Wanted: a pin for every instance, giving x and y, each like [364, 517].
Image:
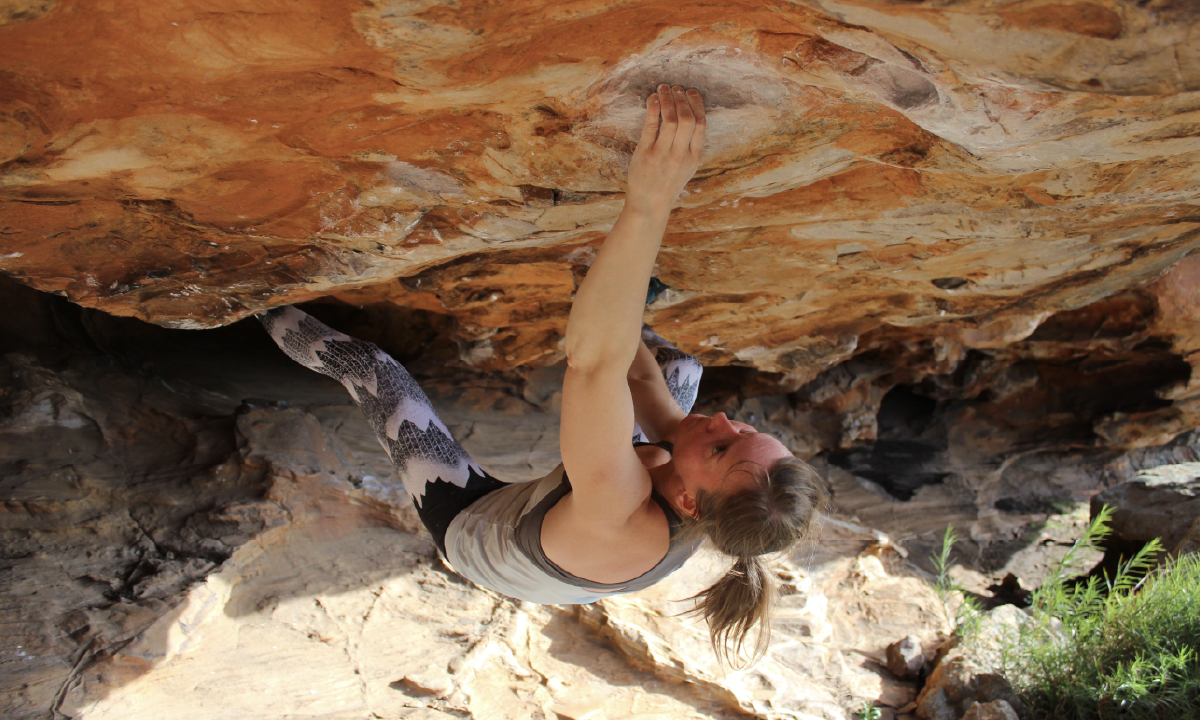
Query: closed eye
[718, 449]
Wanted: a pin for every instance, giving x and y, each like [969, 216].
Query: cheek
[685, 463]
[695, 469]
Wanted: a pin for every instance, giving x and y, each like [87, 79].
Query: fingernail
[693, 92]
[664, 87]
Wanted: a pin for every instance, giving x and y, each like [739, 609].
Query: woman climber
[615, 516]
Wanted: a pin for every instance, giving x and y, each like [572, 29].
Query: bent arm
[654, 408]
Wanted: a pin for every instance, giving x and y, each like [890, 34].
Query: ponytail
[734, 605]
[771, 518]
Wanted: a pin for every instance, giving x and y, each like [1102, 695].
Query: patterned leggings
[438, 474]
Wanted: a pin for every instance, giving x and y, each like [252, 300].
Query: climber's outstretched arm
[606, 317]
[604, 329]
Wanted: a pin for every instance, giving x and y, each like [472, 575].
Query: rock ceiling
[946, 172]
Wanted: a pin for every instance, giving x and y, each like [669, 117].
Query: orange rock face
[922, 171]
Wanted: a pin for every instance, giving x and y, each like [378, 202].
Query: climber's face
[715, 454]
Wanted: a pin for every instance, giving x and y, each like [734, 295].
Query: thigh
[438, 474]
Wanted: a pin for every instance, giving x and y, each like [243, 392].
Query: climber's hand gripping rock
[668, 152]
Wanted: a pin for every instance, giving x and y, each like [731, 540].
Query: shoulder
[605, 552]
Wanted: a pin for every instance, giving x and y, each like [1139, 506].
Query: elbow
[582, 360]
[596, 359]
[585, 351]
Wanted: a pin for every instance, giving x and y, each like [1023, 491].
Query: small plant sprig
[966, 618]
[868, 711]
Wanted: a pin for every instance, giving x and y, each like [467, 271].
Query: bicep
[608, 480]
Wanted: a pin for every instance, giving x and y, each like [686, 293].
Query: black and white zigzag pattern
[401, 415]
[682, 372]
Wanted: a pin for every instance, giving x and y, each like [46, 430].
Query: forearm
[644, 366]
[654, 409]
[606, 317]
[602, 332]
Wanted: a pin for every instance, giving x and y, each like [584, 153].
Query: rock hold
[905, 658]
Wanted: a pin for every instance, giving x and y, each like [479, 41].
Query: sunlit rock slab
[346, 612]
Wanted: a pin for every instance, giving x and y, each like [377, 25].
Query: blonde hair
[770, 518]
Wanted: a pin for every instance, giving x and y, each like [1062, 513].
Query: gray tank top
[496, 543]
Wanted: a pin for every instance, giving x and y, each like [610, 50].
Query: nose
[720, 423]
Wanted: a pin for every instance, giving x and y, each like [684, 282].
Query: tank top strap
[664, 444]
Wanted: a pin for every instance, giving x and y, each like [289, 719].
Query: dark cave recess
[909, 451]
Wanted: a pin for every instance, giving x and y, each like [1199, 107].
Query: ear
[685, 502]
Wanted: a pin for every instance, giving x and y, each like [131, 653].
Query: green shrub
[1122, 647]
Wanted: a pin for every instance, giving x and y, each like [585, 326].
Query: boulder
[994, 710]
[1161, 502]
[967, 675]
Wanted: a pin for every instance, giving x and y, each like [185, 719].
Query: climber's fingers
[670, 118]
[686, 123]
[650, 128]
[696, 101]
[669, 149]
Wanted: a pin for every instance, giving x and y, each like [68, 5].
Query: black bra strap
[664, 444]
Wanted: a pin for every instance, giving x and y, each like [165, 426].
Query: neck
[665, 481]
[671, 431]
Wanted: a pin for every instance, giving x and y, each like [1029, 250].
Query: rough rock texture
[939, 247]
[925, 173]
[942, 227]
[962, 679]
[255, 558]
[1163, 502]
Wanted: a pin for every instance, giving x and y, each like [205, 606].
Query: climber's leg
[680, 370]
[439, 475]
